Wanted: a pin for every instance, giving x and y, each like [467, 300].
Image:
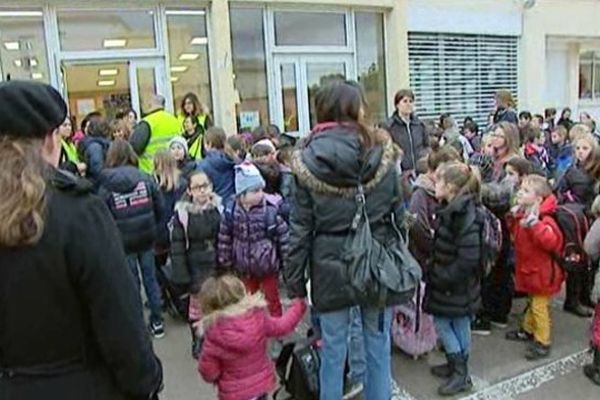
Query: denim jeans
[455, 333]
[148, 269]
[356, 348]
[335, 327]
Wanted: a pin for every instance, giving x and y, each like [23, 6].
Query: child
[217, 165]
[193, 239]
[236, 329]
[452, 290]
[471, 132]
[560, 152]
[536, 238]
[136, 205]
[253, 238]
[179, 150]
[93, 148]
[236, 148]
[120, 130]
[592, 248]
[264, 157]
[534, 151]
[286, 186]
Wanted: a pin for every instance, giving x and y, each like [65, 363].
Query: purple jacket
[248, 245]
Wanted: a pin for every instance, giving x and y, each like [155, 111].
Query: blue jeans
[335, 328]
[148, 269]
[455, 334]
[356, 348]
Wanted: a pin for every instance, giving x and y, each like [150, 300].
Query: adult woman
[340, 154]
[505, 141]
[191, 107]
[71, 318]
[505, 108]
[565, 119]
[69, 159]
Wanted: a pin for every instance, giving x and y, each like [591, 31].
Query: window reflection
[310, 29]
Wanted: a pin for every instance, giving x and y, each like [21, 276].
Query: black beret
[30, 109]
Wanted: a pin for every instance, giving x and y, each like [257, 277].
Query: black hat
[30, 109]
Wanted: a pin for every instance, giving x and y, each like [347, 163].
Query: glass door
[147, 79]
[297, 80]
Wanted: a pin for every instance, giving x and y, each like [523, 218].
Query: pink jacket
[234, 353]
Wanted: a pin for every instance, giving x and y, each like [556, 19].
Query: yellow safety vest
[70, 150]
[201, 118]
[163, 128]
[195, 150]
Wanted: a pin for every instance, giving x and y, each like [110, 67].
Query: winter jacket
[453, 279]
[271, 173]
[591, 244]
[194, 237]
[220, 170]
[136, 205]
[412, 139]
[71, 316]
[506, 115]
[538, 158]
[577, 186]
[536, 271]
[246, 242]
[186, 167]
[423, 206]
[92, 152]
[234, 353]
[328, 168]
[170, 198]
[561, 158]
[287, 183]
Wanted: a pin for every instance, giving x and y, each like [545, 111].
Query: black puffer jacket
[193, 246]
[328, 168]
[453, 280]
[71, 318]
[136, 205]
[412, 139]
[506, 115]
[577, 186]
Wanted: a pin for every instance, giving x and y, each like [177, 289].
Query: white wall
[557, 77]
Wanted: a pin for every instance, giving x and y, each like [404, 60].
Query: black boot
[444, 370]
[574, 289]
[592, 370]
[587, 282]
[459, 381]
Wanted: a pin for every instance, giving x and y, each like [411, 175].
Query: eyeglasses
[198, 188]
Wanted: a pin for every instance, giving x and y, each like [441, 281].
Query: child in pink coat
[236, 327]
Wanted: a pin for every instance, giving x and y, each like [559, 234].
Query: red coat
[536, 272]
[234, 353]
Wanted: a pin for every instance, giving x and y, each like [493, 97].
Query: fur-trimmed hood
[186, 204]
[332, 162]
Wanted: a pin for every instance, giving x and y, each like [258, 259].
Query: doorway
[297, 80]
[112, 86]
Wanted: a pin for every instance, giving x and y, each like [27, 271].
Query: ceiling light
[199, 41]
[108, 72]
[33, 62]
[189, 56]
[174, 78]
[179, 68]
[21, 14]
[37, 75]
[18, 63]
[186, 12]
[12, 45]
[106, 83]
[110, 43]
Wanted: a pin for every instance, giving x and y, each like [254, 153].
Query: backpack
[574, 225]
[490, 237]
[298, 367]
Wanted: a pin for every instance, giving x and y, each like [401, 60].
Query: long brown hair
[344, 102]
[461, 176]
[22, 191]
[120, 153]
[165, 170]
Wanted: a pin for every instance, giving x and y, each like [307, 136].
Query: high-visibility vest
[163, 128]
[195, 150]
[200, 118]
[70, 150]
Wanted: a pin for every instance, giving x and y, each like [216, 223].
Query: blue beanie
[247, 178]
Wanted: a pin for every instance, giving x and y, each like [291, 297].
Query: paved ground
[498, 367]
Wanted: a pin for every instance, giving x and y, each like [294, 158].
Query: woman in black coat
[72, 325]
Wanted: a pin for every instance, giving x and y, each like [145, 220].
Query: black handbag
[380, 273]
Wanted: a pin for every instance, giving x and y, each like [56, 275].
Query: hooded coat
[328, 168]
[93, 151]
[536, 271]
[423, 206]
[234, 353]
[220, 169]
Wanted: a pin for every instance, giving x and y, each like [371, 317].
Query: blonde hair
[577, 131]
[22, 192]
[220, 292]
[461, 176]
[538, 184]
[511, 136]
[505, 98]
[165, 170]
[592, 164]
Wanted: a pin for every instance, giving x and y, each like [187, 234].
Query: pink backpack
[413, 331]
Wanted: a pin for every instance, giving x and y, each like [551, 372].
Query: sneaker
[500, 323]
[157, 330]
[352, 390]
[537, 351]
[519, 336]
[481, 326]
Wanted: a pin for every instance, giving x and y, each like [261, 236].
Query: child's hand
[516, 210]
[530, 219]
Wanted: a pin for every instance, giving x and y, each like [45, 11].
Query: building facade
[260, 62]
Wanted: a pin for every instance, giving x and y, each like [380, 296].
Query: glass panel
[23, 47]
[289, 93]
[318, 75]
[371, 62]
[249, 62]
[106, 30]
[597, 80]
[97, 87]
[146, 82]
[188, 49]
[585, 80]
[310, 29]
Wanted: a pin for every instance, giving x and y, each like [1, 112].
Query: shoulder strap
[183, 216]
[361, 202]
[271, 213]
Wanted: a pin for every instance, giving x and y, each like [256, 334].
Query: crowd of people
[213, 225]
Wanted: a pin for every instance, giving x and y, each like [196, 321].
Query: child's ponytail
[463, 177]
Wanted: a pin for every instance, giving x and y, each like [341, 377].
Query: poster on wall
[85, 106]
[249, 119]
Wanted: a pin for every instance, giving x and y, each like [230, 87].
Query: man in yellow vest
[154, 133]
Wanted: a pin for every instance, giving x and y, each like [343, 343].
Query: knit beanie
[247, 178]
[180, 141]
